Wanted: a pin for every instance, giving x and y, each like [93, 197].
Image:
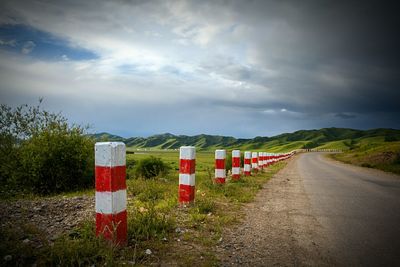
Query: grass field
[373, 152]
[175, 235]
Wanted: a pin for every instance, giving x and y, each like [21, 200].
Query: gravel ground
[52, 216]
[279, 228]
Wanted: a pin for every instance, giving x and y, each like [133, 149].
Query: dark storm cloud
[345, 116]
[285, 64]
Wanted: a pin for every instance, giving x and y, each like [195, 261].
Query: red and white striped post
[247, 163]
[220, 172]
[187, 169]
[271, 158]
[235, 164]
[265, 160]
[110, 172]
[260, 161]
[254, 162]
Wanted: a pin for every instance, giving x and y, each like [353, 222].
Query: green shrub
[55, 160]
[311, 145]
[151, 167]
[42, 153]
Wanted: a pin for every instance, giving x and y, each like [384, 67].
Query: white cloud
[11, 43]
[28, 47]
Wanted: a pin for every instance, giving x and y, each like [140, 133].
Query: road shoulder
[278, 228]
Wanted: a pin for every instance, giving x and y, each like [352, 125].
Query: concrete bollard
[235, 164]
[254, 162]
[110, 173]
[264, 159]
[247, 163]
[270, 159]
[260, 161]
[220, 172]
[187, 169]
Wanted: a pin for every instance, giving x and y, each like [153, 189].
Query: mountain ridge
[339, 138]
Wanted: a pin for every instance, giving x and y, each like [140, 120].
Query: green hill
[99, 137]
[377, 148]
[338, 138]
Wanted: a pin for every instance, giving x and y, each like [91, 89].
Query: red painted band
[112, 227]
[235, 176]
[219, 180]
[220, 163]
[235, 162]
[247, 161]
[187, 166]
[254, 160]
[186, 193]
[110, 179]
[246, 173]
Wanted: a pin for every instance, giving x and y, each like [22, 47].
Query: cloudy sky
[240, 68]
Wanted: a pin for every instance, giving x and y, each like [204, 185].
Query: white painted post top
[254, 155]
[220, 154]
[236, 153]
[187, 152]
[110, 154]
[247, 154]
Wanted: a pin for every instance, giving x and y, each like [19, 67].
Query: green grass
[154, 216]
[373, 152]
[341, 145]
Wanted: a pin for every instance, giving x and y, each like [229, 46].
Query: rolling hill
[376, 148]
[338, 138]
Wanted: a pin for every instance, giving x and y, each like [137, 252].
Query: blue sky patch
[39, 44]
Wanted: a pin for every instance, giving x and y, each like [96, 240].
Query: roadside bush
[42, 153]
[311, 145]
[55, 160]
[151, 167]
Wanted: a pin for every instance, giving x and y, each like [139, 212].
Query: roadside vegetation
[41, 153]
[375, 152]
[45, 156]
[158, 228]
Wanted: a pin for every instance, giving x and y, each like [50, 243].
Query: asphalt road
[319, 212]
[358, 210]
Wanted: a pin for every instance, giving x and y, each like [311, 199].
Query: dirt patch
[52, 216]
[382, 158]
[279, 228]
